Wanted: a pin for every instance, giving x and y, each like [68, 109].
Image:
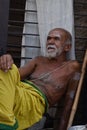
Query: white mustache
[51, 46]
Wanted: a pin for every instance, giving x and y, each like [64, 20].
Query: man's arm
[6, 62]
[27, 69]
[69, 98]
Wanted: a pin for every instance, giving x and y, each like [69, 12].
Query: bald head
[64, 33]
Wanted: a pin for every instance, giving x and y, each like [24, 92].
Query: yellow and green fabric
[21, 103]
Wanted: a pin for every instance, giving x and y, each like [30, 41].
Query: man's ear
[67, 47]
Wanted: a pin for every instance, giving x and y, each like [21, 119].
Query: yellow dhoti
[19, 102]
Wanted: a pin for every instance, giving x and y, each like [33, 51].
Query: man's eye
[56, 38]
[48, 38]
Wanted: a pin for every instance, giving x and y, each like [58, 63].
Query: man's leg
[8, 81]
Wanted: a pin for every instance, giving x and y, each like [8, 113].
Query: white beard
[56, 52]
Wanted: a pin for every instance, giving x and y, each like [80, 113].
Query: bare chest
[51, 75]
[52, 80]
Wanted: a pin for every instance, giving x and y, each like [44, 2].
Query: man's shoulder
[75, 65]
[39, 58]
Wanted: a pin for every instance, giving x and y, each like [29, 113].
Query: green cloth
[39, 92]
[7, 127]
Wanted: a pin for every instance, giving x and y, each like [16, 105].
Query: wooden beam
[75, 104]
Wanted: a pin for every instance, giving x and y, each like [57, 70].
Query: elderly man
[24, 102]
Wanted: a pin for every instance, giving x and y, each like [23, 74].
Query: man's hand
[6, 62]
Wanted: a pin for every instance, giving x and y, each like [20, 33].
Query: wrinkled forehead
[59, 33]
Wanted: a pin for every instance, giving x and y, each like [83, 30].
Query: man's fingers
[6, 62]
[3, 62]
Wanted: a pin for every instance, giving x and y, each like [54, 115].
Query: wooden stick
[74, 107]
